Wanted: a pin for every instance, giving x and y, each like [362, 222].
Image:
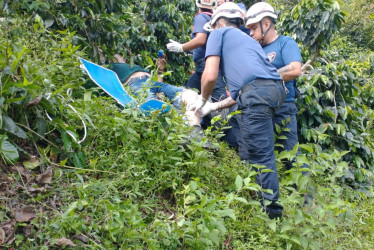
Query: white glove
[174, 46]
[198, 104]
[208, 108]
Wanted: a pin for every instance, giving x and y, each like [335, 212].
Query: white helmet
[259, 11]
[206, 4]
[229, 10]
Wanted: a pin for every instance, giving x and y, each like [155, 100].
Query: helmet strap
[262, 31]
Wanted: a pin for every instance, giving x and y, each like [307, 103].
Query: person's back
[242, 58]
[256, 87]
[284, 53]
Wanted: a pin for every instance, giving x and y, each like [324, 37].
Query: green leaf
[306, 147]
[287, 226]
[31, 164]
[331, 222]
[227, 213]
[47, 105]
[273, 225]
[238, 183]
[10, 126]
[8, 150]
[70, 209]
[229, 198]
[67, 140]
[241, 199]
[329, 95]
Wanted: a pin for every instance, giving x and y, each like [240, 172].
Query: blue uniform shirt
[242, 58]
[280, 53]
[200, 20]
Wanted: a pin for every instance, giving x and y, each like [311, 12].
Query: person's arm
[161, 65]
[210, 75]
[198, 41]
[290, 71]
[209, 107]
[200, 37]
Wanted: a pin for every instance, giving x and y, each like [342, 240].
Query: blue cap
[241, 5]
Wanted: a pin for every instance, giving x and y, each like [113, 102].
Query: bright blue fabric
[242, 58]
[200, 20]
[280, 53]
[108, 80]
[152, 88]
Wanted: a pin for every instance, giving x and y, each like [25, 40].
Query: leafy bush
[136, 30]
[314, 22]
[359, 24]
[34, 79]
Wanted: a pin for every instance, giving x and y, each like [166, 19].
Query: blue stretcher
[108, 80]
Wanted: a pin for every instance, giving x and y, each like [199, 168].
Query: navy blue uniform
[256, 87]
[194, 82]
[280, 53]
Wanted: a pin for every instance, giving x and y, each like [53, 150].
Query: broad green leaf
[227, 213]
[10, 126]
[70, 209]
[238, 183]
[241, 199]
[306, 147]
[273, 225]
[8, 150]
[66, 140]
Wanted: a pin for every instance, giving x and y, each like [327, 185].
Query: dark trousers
[288, 111]
[258, 104]
[194, 82]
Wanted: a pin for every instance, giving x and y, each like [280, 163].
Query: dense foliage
[134, 29]
[336, 108]
[130, 184]
[359, 22]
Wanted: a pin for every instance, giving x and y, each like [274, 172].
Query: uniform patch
[271, 56]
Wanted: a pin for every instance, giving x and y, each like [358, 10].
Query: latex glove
[174, 46]
[208, 108]
[198, 104]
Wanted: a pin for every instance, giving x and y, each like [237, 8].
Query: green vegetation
[130, 184]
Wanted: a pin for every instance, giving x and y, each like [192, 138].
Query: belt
[248, 86]
[133, 79]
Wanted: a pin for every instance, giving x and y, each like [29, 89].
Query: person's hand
[161, 64]
[198, 104]
[208, 108]
[119, 58]
[174, 46]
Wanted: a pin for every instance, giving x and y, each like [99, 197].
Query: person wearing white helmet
[256, 87]
[198, 44]
[284, 53]
[220, 2]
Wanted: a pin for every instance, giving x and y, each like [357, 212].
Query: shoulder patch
[271, 56]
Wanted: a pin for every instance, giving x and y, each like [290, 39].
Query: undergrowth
[132, 183]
